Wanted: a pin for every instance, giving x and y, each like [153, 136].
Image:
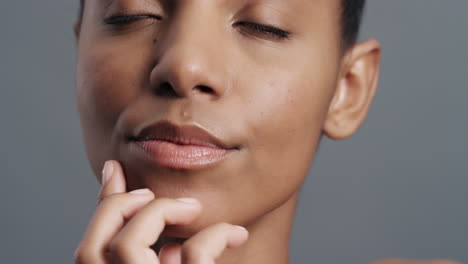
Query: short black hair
[351, 16]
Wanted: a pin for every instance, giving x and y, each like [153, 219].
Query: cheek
[286, 121]
[109, 76]
[107, 81]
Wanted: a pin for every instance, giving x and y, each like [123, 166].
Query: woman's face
[264, 91]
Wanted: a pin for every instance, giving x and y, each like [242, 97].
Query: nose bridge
[188, 58]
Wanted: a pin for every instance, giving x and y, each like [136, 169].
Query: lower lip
[170, 155]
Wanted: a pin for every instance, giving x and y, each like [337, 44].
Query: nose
[189, 62]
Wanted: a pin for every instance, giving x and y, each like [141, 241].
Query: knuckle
[115, 200]
[105, 197]
[118, 247]
[82, 255]
[112, 199]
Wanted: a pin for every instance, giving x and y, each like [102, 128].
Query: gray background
[398, 188]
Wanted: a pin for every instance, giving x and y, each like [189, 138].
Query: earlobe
[355, 90]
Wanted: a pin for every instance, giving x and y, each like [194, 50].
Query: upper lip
[165, 130]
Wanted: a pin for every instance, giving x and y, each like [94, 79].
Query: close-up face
[257, 75]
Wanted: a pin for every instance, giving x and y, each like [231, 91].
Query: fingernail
[241, 227]
[140, 191]
[107, 172]
[188, 200]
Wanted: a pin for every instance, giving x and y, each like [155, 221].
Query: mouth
[179, 147]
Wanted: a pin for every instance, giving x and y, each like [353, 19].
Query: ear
[356, 87]
[77, 29]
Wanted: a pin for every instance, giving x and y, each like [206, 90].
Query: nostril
[166, 90]
[204, 89]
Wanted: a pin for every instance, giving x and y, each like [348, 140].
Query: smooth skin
[201, 62]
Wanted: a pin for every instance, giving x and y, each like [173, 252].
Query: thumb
[112, 181]
[171, 253]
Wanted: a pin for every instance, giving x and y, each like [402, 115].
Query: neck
[268, 238]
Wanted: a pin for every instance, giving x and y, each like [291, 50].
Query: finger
[132, 244]
[113, 179]
[207, 245]
[171, 253]
[107, 221]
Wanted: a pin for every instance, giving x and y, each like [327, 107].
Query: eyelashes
[121, 21]
[263, 29]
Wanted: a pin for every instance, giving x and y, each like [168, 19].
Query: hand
[126, 225]
[408, 261]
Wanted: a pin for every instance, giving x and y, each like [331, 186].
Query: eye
[120, 20]
[265, 30]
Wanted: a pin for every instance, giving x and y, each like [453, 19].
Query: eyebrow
[108, 2]
[271, 3]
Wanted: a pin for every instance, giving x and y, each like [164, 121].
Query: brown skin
[273, 97]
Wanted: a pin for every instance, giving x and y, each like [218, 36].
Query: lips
[182, 147]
